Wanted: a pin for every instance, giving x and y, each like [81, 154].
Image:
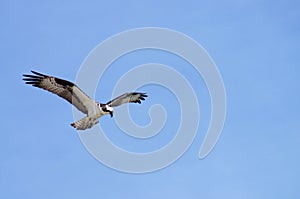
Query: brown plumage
[73, 94]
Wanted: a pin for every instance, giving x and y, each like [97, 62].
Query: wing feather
[132, 97]
[63, 88]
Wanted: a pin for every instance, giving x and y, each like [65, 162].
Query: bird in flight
[73, 94]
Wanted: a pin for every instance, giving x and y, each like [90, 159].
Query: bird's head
[107, 109]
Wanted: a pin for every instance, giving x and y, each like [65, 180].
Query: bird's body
[73, 94]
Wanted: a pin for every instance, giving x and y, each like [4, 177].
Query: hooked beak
[111, 114]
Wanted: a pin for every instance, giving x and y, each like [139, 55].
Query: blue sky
[255, 45]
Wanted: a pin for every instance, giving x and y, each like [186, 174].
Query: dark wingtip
[36, 77]
[30, 76]
[30, 82]
[31, 79]
[141, 97]
[144, 95]
[37, 73]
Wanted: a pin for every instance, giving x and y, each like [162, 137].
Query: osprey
[73, 94]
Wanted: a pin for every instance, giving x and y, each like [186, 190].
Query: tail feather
[85, 123]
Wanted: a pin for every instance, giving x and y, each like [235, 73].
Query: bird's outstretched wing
[63, 88]
[133, 97]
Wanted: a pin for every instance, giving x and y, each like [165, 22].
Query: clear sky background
[255, 45]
